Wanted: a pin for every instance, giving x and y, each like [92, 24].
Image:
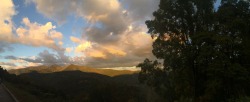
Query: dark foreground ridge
[77, 84]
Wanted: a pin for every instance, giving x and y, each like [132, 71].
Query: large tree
[206, 50]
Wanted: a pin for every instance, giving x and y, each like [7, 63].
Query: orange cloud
[56, 35]
[74, 39]
[90, 50]
[115, 51]
[95, 54]
[122, 39]
[83, 46]
[60, 43]
[7, 11]
[35, 34]
[69, 49]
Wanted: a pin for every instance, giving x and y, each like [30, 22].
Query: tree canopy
[206, 51]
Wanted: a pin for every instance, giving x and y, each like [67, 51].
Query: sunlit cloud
[115, 30]
[114, 35]
[83, 46]
[6, 24]
[96, 54]
[115, 51]
[69, 49]
[75, 39]
[35, 34]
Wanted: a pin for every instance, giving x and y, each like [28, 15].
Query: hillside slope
[77, 86]
[40, 69]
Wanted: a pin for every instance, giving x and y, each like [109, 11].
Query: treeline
[5, 76]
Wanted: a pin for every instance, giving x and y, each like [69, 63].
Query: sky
[94, 33]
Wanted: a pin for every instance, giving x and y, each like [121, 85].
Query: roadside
[4, 95]
[22, 96]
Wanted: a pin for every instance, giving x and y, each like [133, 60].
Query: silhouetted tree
[206, 51]
[3, 73]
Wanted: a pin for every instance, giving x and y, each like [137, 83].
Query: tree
[205, 50]
[3, 73]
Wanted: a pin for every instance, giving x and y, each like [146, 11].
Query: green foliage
[243, 99]
[205, 51]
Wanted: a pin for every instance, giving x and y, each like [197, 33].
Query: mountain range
[75, 83]
[57, 68]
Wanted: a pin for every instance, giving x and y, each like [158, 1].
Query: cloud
[133, 68]
[15, 63]
[35, 34]
[134, 46]
[103, 16]
[5, 47]
[75, 39]
[60, 43]
[32, 59]
[95, 49]
[56, 35]
[83, 46]
[96, 54]
[10, 57]
[115, 51]
[44, 57]
[140, 9]
[7, 64]
[116, 33]
[7, 11]
[6, 25]
[31, 34]
[48, 58]
[60, 9]
[69, 49]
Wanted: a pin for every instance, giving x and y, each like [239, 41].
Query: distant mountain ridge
[58, 68]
